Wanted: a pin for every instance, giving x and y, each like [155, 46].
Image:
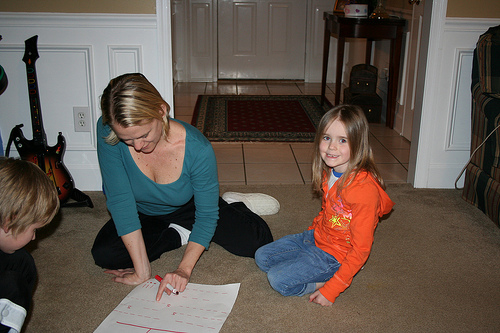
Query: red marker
[172, 289]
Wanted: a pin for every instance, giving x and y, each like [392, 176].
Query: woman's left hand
[317, 297]
[178, 279]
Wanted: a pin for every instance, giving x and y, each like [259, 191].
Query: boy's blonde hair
[27, 195]
[130, 100]
[361, 157]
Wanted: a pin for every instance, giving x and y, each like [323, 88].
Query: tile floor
[283, 163]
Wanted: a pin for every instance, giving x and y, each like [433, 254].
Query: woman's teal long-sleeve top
[128, 191]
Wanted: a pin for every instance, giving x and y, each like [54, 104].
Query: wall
[460, 8]
[77, 6]
[402, 5]
[473, 9]
[79, 54]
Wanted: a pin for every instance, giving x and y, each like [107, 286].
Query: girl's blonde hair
[361, 155]
[27, 196]
[130, 100]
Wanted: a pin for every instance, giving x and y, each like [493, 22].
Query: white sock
[183, 232]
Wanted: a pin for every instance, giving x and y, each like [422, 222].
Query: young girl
[324, 259]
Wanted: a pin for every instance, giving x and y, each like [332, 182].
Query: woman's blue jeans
[294, 264]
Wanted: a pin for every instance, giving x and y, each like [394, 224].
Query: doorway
[248, 39]
[261, 39]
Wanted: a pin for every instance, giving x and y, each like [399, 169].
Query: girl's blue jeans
[294, 264]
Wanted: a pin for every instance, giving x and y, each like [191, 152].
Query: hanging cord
[475, 150]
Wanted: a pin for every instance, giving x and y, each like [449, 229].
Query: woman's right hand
[128, 276]
[180, 277]
[177, 279]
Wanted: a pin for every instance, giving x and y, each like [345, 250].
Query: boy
[28, 201]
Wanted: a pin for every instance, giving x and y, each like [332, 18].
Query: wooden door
[409, 92]
[260, 39]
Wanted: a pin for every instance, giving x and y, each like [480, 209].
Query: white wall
[79, 54]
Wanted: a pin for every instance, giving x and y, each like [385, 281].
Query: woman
[160, 181]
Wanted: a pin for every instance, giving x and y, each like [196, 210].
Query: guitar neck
[36, 111]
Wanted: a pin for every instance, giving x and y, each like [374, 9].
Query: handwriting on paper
[200, 308]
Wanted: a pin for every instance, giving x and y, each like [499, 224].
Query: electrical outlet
[81, 119]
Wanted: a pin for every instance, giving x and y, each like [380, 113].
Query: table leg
[339, 69]
[368, 55]
[392, 92]
[326, 51]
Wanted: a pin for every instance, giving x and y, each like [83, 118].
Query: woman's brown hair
[129, 100]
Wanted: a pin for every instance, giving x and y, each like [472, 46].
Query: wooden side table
[342, 27]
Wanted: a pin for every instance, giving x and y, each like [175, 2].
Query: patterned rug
[238, 118]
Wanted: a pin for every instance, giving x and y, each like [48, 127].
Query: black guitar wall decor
[49, 159]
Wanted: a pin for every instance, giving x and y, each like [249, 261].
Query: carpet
[434, 267]
[238, 118]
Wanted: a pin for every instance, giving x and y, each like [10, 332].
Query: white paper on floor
[200, 308]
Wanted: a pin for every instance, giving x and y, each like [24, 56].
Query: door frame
[165, 73]
[407, 94]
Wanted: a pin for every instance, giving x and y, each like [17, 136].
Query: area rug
[238, 118]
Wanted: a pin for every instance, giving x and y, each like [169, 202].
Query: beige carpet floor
[435, 267]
